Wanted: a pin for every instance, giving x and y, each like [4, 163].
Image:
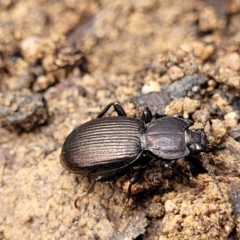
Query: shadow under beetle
[107, 148]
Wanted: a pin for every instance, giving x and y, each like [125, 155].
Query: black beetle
[106, 148]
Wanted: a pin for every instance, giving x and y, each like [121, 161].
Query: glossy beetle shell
[103, 144]
[165, 138]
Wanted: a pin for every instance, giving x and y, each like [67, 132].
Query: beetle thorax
[143, 142]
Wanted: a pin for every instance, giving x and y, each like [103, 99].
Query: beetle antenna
[213, 176]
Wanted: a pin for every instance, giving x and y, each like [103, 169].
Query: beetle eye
[198, 147]
[195, 148]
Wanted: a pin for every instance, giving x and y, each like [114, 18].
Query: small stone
[231, 119]
[229, 77]
[233, 61]
[218, 130]
[150, 86]
[42, 82]
[30, 47]
[201, 115]
[175, 73]
[202, 51]
[235, 132]
[101, 94]
[155, 210]
[189, 106]
[220, 101]
[154, 101]
[208, 20]
[175, 107]
[190, 68]
[212, 83]
[26, 110]
[169, 206]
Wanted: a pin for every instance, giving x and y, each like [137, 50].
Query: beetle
[107, 148]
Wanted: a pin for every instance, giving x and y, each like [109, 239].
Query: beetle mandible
[107, 148]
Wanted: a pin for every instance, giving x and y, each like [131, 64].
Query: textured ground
[61, 62]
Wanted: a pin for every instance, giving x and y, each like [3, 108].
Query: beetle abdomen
[101, 142]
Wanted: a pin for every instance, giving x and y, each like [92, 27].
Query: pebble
[233, 61]
[175, 73]
[150, 86]
[231, 119]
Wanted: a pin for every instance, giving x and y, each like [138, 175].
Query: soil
[62, 62]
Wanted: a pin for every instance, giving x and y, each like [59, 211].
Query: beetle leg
[100, 178]
[82, 196]
[137, 174]
[117, 107]
[171, 166]
[147, 115]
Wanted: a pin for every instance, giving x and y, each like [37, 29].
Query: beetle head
[196, 140]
